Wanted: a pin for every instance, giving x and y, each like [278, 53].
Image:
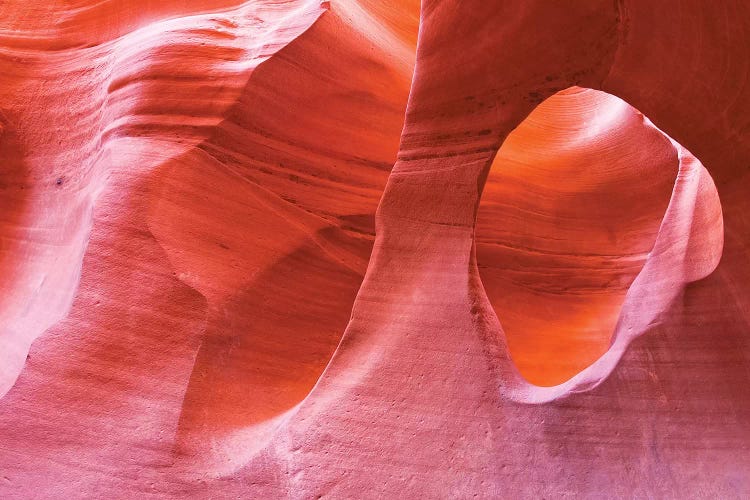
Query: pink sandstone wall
[218, 284]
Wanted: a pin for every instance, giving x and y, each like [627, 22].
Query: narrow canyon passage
[374, 249]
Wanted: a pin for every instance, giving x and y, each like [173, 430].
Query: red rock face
[217, 284]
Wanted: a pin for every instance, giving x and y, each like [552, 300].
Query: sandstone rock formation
[217, 284]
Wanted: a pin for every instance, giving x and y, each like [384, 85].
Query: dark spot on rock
[485, 132]
[59, 181]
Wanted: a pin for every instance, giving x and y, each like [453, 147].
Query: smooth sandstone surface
[218, 284]
[559, 241]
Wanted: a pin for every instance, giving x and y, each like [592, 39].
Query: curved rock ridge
[218, 284]
[123, 127]
[230, 224]
[560, 242]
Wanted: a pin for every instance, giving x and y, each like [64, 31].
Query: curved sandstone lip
[123, 123]
[688, 248]
[570, 213]
[229, 234]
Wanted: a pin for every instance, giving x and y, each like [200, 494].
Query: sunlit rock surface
[282, 249]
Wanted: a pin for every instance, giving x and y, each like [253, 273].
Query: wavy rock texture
[559, 241]
[217, 284]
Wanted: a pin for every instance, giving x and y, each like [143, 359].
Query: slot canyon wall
[374, 249]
